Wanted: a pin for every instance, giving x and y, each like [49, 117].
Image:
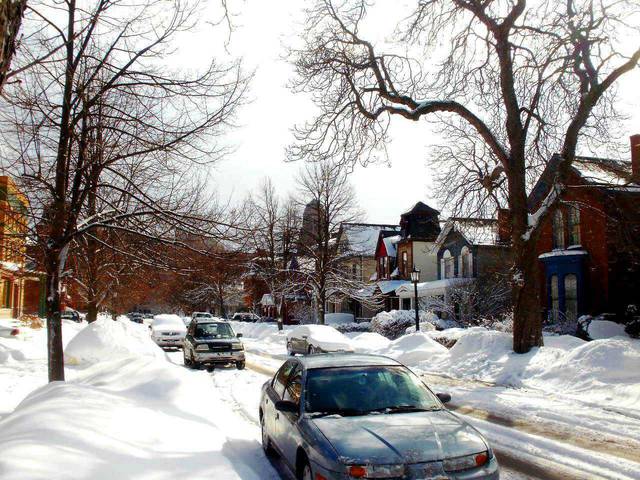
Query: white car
[8, 332]
[202, 316]
[316, 339]
[168, 330]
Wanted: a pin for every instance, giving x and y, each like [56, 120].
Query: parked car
[245, 317]
[316, 339]
[7, 331]
[267, 319]
[168, 330]
[70, 314]
[135, 317]
[344, 416]
[209, 343]
[201, 315]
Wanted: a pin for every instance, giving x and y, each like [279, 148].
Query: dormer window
[558, 230]
[405, 264]
[448, 264]
[574, 225]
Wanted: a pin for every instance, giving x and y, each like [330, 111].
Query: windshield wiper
[405, 409]
[343, 412]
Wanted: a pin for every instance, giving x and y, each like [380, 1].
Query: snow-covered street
[128, 410]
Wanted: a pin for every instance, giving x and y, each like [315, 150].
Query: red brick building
[589, 248]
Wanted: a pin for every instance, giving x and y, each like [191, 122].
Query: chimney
[504, 225]
[635, 158]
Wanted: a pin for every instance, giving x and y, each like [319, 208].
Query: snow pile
[368, 341]
[323, 336]
[353, 327]
[601, 371]
[600, 329]
[394, 323]
[107, 339]
[130, 418]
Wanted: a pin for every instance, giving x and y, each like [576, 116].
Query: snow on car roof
[330, 360]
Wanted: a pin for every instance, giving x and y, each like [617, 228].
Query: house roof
[421, 207]
[362, 238]
[387, 286]
[390, 244]
[598, 172]
[476, 231]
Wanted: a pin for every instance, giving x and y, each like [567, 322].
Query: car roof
[209, 320]
[329, 360]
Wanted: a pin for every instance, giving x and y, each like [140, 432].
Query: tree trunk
[11, 12]
[321, 304]
[527, 316]
[54, 323]
[92, 310]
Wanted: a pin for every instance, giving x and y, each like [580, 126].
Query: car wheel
[186, 361]
[266, 443]
[306, 473]
[240, 365]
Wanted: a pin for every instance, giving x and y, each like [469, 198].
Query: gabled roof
[421, 207]
[597, 172]
[362, 238]
[476, 231]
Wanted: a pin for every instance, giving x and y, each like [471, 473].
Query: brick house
[589, 248]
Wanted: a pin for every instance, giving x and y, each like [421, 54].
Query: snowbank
[600, 329]
[133, 418]
[106, 339]
[322, 336]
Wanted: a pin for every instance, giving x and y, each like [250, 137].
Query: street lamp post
[415, 277]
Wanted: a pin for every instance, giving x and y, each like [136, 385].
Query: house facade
[472, 262]
[589, 247]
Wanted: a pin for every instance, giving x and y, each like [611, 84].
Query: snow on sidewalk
[129, 415]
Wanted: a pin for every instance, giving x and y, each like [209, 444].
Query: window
[7, 290]
[574, 225]
[354, 271]
[558, 230]
[555, 298]
[449, 264]
[571, 297]
[466, 263]
[282, 377]
[385, 271]
[406, 304]
[294, 387]
[405, 264]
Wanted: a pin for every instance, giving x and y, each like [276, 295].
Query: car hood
[400, 438]
[216, 341]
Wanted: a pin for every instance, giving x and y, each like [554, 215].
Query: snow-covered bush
[633, 328]
[353, 327]
[599, 327]
[394, 324]
[501, 324]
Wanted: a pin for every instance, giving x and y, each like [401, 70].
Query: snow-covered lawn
[130, 414]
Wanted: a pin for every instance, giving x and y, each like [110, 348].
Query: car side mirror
[238, 335]
[444, 397]
[286, 406]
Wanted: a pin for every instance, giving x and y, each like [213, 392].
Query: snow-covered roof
[267, 300]
[387, 286]
[605, 172]
[477, 231]
[433, 288]
[390, 245]
[362, 238]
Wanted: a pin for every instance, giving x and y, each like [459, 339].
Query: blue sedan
[346, 416]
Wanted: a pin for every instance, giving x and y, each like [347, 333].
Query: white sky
[384, 192]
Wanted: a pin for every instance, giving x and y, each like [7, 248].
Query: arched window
[571, 297]
[555, 298]
[574, 225]
[405, 264]
[466, 263]
[449, 264]
[558, 230]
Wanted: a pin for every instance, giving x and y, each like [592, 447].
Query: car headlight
[202, 348]
[376, 471]
[464, 463]
[237, 347]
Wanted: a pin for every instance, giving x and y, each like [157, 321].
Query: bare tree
[528, 78]
[329, 201]
[155, 127]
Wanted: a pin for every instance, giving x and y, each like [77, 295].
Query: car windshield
[364, 390]
[213, 330]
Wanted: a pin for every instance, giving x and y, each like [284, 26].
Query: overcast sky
[384, 192]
